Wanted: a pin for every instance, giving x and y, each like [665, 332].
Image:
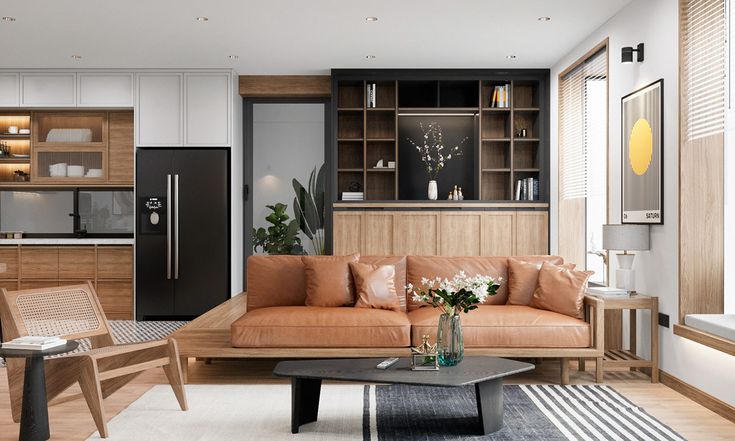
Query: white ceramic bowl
[94, 173]
[76, 171]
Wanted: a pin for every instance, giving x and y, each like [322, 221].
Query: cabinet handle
[176, 226]
[168, 227]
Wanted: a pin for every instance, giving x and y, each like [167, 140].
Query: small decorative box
[424, 357]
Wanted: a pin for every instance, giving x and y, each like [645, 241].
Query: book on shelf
[607, 291]
[527, 189]
[500, 97]
[353, 196]
[34, 343]
[371, 98]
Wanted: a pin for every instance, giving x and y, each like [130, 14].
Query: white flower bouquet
[432, 149]
[461, 293]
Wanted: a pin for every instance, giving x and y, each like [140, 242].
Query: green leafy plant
[281, 237]
[308, 207]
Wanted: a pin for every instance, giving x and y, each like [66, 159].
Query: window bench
[714, 330]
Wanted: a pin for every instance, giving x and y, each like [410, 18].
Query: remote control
[385, 364]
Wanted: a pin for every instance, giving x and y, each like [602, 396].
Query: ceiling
[295, 36]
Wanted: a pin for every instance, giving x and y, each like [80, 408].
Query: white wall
[655, 23]
[237, 264]
[288, 142]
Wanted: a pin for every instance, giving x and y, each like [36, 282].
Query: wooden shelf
[438, 109]
[496, 109]
[381, 170]
[526, 170]
[350, 109]
[349, 170]
[381, 139]
[349, 139]
[496, 170]
[526, 139]
[14, 136]
[381, 109]
[526, 109]
[15, 160]
[495, 139]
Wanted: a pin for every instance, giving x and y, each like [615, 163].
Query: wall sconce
[628, 53]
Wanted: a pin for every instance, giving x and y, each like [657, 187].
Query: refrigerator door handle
[168, 227]
[176, 226]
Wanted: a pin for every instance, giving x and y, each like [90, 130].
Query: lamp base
[625, 279]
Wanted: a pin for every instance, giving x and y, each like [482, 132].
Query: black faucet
[78, 232]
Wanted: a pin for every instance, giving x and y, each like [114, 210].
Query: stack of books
[607, 291]
[527, 189]
[501, 96]
[34, 343]
[353, 196]
[372, 100]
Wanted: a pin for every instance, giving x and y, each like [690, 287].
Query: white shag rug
[237, 412]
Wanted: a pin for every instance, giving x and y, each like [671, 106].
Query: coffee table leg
[490, 405]
[34, 414]
[304, 401]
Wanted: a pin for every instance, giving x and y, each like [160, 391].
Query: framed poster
[642, 162]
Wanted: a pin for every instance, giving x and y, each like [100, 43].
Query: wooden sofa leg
[599, 372]
[90, 384]
[174, 374]
[564, 364]
[582, 365]
[184, 363]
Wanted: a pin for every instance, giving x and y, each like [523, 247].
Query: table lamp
[626, 237]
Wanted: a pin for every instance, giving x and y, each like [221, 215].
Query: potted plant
[280, 237]
[433, 153]
[308, 207]
[460, 294]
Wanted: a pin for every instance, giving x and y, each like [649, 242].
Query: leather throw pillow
[375, 286]
[561, 290]
[329, 281]
[522, 280]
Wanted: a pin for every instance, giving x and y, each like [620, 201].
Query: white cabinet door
[207, 110]
[105, 89]
[9, 90]
[159, 115]
[48, 89]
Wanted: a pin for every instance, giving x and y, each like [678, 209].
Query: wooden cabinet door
[121, 149]
[461, 234]
[116, 298]
[8, 262]
[347, 232]
[115, 262]
[498, 233]
[37, 284]
[417, 233]
[378, 234]
[160, 110]
[532, 233]
[207, 109]
[102, 89]
[39, 262]
[9, 90]
[76, 263]
[48, 89]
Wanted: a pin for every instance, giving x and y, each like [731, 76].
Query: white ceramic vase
[433, 193]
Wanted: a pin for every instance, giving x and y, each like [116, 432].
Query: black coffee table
[486, 373]
[34, 413]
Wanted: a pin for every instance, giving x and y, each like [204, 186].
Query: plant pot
[450, 345]
[433, 192]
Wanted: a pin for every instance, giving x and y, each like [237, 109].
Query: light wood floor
[70, 420]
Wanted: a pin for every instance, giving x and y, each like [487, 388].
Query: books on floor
[353, 196]
[501, 96]
[527, 189]
[34, 343]
[607, 291]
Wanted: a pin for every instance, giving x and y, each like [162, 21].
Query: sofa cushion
[561, 290]
[447, 267]
[375, 286]
[400, 280]
[316, 327]
[522, 280]
[507, 326]
[275, 281]
[329, 280]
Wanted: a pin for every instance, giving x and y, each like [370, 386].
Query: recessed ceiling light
[202, 18]
[76, 57]
[544, 19]
[371, 18]
[370, 57]
[233, 57]
[8, 18]
[510, 57]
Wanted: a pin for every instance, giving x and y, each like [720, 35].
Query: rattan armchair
[74, 312]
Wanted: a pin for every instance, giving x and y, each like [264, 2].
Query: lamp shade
[626, 237]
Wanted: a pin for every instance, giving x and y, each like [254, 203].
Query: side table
[34, 413]
[629, 358]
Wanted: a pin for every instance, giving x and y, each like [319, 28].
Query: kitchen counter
[69, 241]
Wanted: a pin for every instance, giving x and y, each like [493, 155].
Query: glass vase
[432, 192]
[450, 346]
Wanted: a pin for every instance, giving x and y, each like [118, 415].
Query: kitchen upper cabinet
[159, 118]
[105, 89]
[207, 109]
[48, 89]
[9, 89]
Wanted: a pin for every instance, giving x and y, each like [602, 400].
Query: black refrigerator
[183, 232]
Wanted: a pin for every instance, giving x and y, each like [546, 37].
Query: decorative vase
[433, 192]
[450, 346]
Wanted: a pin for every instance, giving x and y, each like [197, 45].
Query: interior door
[202, 245]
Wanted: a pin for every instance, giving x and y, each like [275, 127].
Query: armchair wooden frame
[74, 312]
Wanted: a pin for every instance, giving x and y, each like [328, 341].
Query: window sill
[705, 338]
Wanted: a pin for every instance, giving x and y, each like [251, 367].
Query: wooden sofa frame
[208, 337]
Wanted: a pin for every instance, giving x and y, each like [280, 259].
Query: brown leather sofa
[277, 319]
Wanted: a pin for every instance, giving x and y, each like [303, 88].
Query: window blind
[703, 65]
[573, 155]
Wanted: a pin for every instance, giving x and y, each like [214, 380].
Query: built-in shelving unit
[501, 155]
[18, 146]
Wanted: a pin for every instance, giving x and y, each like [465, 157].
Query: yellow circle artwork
[640, 151]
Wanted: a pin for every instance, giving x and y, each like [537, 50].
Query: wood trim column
[285, 86]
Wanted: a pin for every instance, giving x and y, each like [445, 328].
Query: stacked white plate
[69, 135]
[58, 170]
[94, 173]
[75, 171]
